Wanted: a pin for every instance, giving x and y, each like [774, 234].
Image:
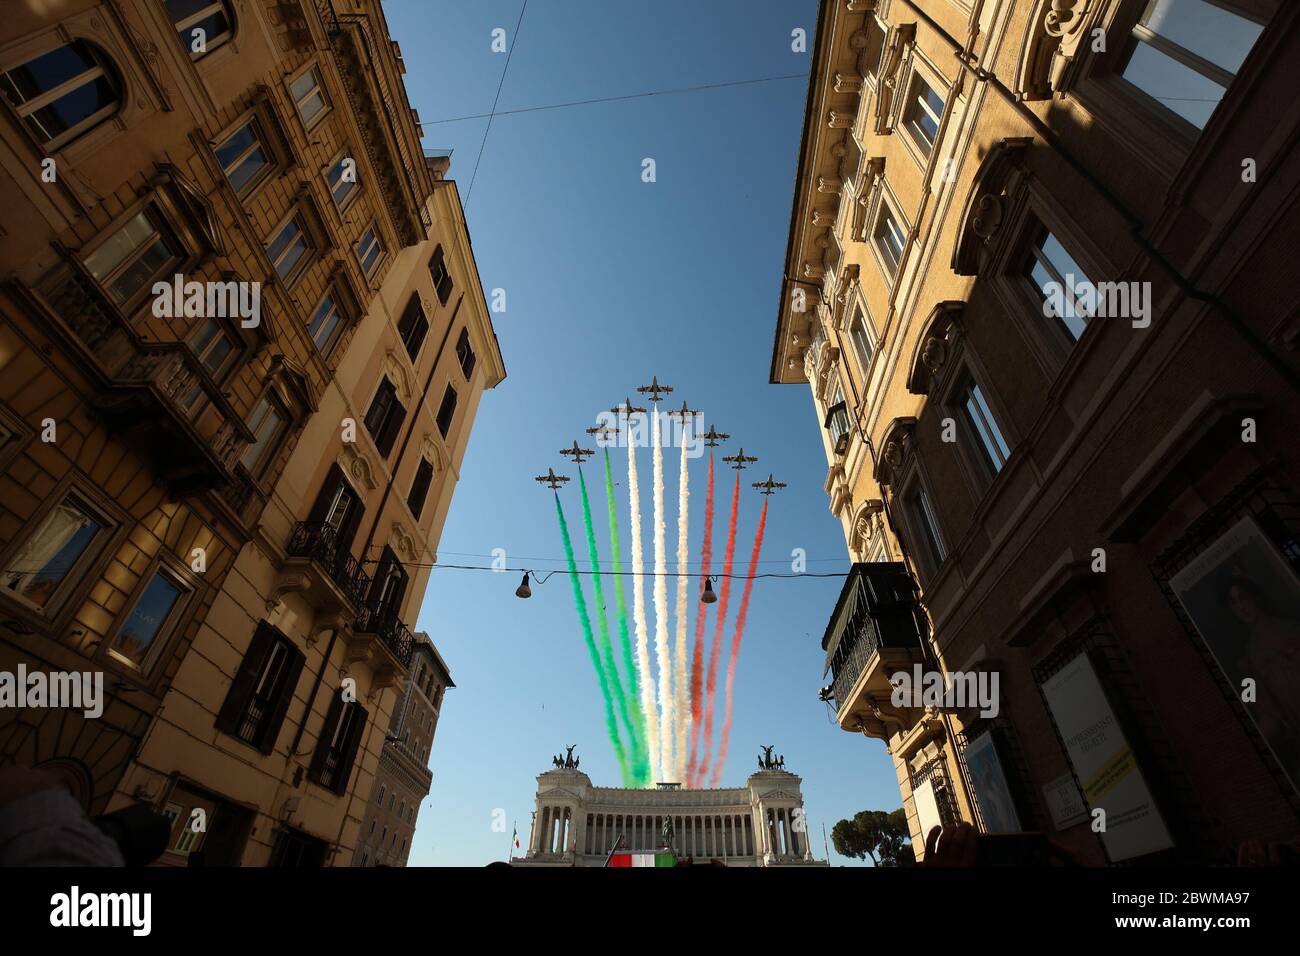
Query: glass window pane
[71, 108]
[321, 328]
[1210, 31]
[304, 84]
[145, 624]
[1178, 87]
[44, 559]
[142, 270]
[117, 247]
[47, 71]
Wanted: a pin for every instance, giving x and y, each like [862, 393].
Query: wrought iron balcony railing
[319, 542]
[395, 635]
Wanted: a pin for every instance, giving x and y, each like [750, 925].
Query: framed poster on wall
[997, 808]
[1244, 600]
[1104, 763]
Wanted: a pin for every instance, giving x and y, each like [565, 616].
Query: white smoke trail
[683, 705]
[638, 614]
[662, 648]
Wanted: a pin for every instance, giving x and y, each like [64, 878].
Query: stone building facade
[232, 518]
[1037, 281]
[759, 824]
[403, 779]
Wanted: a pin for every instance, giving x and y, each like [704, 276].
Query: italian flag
[662, 858]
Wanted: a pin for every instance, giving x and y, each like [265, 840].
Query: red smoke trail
[723, 594]
[735, 645]
[697, 660]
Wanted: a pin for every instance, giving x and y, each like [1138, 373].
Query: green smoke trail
[581, 603]
[633, 689]
[603, 646]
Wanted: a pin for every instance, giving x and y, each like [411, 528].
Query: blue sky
[609, 280]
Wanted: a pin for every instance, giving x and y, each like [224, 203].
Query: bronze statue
[568, 757]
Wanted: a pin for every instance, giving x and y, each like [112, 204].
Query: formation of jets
[741, 460]
[552, 479]
[655, 392]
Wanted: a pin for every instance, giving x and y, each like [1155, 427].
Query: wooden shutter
[396, 415]
[384, 397]
[420, 487]
[350, 747]
[444, 289]
[326, 735]
[326, 496]
[284, 694]
[447, 411]
[241, 688]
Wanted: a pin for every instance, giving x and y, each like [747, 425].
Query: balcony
[373, 629]
[877, 629]
[325, 573]
[157, 396]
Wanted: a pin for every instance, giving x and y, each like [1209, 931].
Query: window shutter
[326, 735]
[292, 670]
[379, 405]
[327, 490]
[420, 487]
[395, 418]
[415, 338]
[241, 688]
[350, 747]
[444, 289]
[447, 411]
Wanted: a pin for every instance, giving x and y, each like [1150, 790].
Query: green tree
[878, 834]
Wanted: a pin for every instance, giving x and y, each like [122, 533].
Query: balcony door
[337, 512]
[389, 588]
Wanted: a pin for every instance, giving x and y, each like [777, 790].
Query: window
[889, 239]
[385, 417]
[213, 346]
[447, 411]
[336, 750]
[324, 324]
[1184, 54]
[288, 248]
[263, 688]
[131, 259]
[391, 798]
[862, 344]
[924, 108]
[465, 354]
[420, 487]
[152, 619]
[837, 421]
[413, 326]
[267, 423]
[1060, 281]
[62, 93]
[926, 528]
[980, 419]
[60, 543]
[342, 178]
[388, 589]
[383, 788]
[369, 249]
[243, 158]
[201, 24]
[309, 97]
[442, 283]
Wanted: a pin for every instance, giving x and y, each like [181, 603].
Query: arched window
[202, 25]
[63, 92]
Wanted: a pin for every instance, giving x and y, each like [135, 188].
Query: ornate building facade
[1035, 280]
[231, 514]
[403, 779]
[759, 824]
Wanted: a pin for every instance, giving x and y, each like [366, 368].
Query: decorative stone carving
[1050, 47]
[988, 216]
[357, 467]
[850, 82]
[998, 185]
[937, 343]
[840, 119]
[827, 184]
